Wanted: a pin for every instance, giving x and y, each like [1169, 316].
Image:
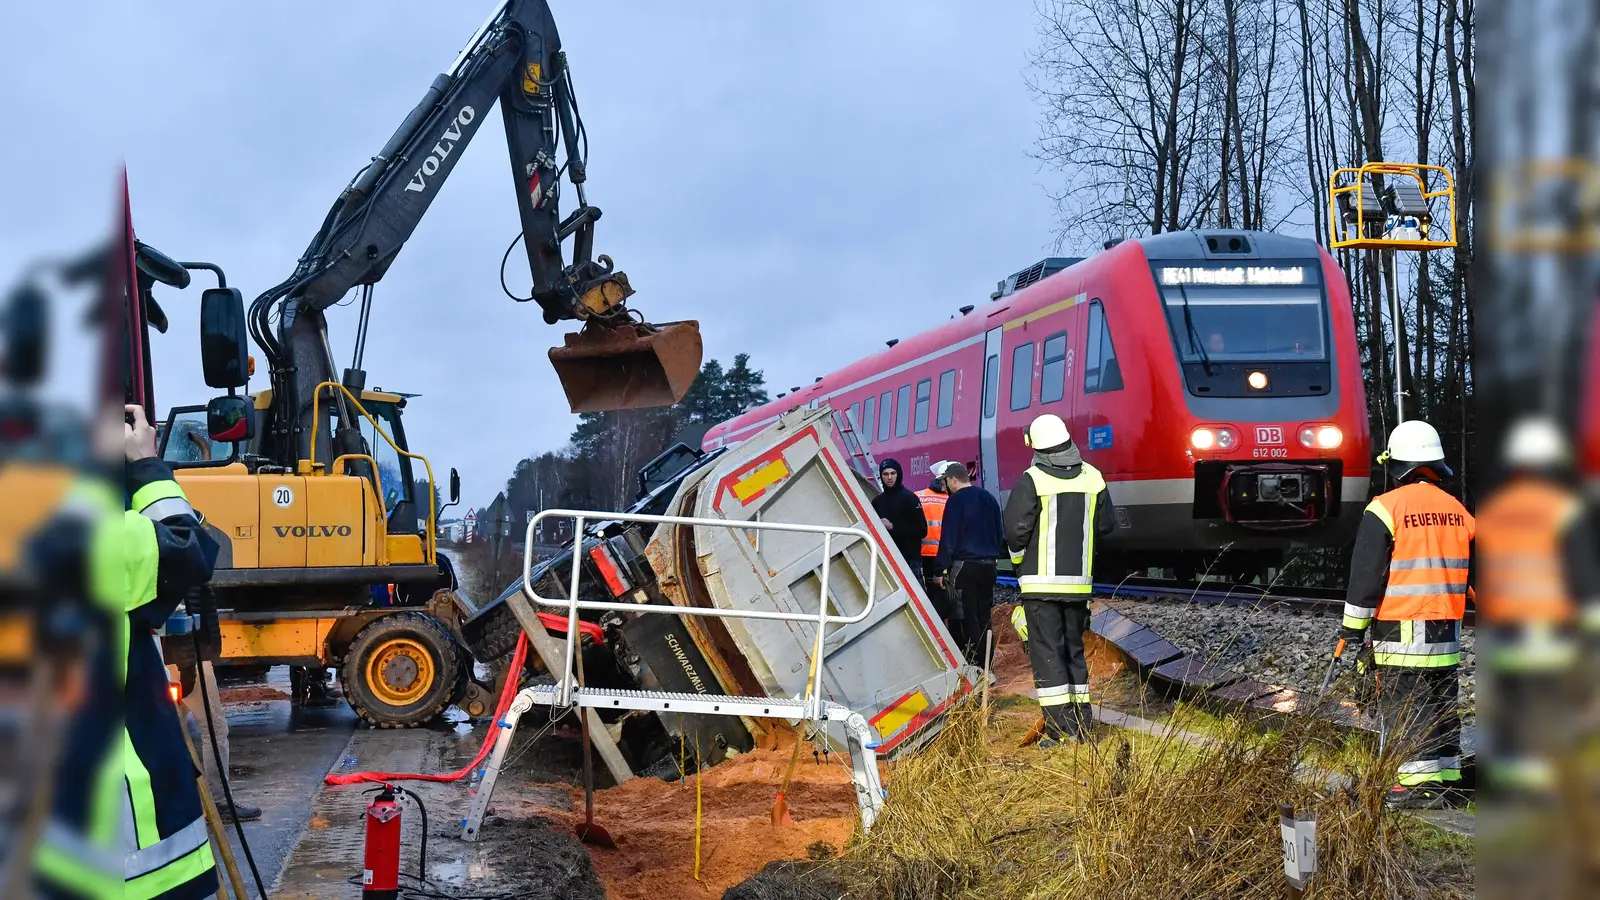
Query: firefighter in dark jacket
[901, 512]
[1409, 575]
[1056, 510]
[168, 553]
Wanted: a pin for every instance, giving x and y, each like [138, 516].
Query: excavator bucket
[627, 366]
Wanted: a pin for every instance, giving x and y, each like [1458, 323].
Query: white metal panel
[871, 666]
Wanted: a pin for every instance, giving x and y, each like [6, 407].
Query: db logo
[1269, 435]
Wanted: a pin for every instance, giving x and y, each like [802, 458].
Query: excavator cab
[628, 366]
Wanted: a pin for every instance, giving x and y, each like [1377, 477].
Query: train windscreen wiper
[1194, 335]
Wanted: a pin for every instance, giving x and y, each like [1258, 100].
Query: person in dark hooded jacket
[901, 512]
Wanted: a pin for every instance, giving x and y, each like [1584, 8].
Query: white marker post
[1299, 848]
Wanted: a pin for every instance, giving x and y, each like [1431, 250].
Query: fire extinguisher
[380, 871]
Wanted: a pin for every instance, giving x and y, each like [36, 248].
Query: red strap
[506, 693]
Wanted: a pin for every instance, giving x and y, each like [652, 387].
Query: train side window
[924, 400]
[1053, 376]
[991, 385]
[1022, 376]
[902, 415]
[855, 417]
[947, 397]
[871, 414]
[1100, 369]
[885, 414]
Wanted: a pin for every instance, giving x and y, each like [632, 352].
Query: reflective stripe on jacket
[1059, 556]
[933, 510]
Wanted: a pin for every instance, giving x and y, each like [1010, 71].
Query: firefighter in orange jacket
[933, 498]
[1538, 584]
[1408, 586]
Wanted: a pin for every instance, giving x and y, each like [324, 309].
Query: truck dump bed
[899, 667]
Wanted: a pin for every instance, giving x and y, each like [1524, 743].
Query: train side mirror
[223, 340]
[228, 419]
[455, 485]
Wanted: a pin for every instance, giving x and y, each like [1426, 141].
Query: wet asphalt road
[279, 756]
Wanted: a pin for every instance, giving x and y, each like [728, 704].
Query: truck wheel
[400, 670]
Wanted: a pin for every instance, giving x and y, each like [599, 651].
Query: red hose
[506, 693]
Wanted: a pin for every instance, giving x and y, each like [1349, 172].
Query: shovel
[1327, 677]
[627, 366]
[589, 832]
[780, 806]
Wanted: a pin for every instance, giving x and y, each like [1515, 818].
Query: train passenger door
[988, 451]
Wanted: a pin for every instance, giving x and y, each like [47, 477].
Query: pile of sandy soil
[653, 823]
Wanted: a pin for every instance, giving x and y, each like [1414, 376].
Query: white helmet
[942, 469]
[1414, 441]
[1047, 432]
[1536, 443]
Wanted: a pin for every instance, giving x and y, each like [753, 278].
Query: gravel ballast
[1269, 643]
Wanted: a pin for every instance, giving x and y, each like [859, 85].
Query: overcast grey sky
[806, 180]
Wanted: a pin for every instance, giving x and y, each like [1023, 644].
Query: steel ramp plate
[697, 704]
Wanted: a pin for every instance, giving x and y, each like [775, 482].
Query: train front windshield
[1254, 313]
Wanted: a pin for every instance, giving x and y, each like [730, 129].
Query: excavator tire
[401, 670]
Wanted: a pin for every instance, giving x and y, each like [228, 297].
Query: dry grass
[1132, 816]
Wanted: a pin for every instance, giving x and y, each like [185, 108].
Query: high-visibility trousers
[1419, 711]
[1060, 668]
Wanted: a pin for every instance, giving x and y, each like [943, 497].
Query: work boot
[242, 813]
[1419, 797]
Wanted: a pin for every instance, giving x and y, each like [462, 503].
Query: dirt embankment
[653, 823]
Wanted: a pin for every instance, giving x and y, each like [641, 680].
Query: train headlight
[1213, 437]
[1321, 437]
[1257, 381]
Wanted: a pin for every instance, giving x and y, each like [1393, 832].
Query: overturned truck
[897, 667]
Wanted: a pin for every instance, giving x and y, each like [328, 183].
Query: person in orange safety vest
[1409, 576]
[933, 499]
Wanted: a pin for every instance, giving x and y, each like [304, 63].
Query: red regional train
[1213, 376]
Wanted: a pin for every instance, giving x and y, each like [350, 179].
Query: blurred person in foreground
[80, 557]
[1409, 576]
[167, 853]
[1537, 592]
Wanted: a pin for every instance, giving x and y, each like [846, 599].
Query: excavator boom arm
[514, 59]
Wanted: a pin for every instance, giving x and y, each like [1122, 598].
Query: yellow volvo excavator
[308, 485]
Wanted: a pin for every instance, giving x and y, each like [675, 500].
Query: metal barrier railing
[572, 603]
